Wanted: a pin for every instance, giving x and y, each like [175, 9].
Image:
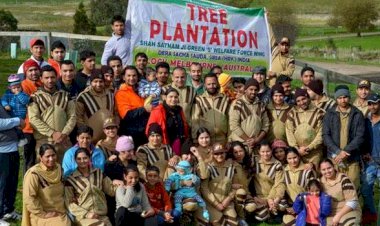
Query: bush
[82, 24]
[102, 11]
[7, 21]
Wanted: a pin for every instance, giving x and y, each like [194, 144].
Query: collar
[347, 112]
[245, 99]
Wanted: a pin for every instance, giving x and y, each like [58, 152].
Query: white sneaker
[12, 216]
[22, 142]
[4, 223]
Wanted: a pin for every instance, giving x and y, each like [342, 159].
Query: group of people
[133, 145]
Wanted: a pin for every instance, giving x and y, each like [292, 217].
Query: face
[311, 93]
[89, 63]
[110, 131]
[362, 92]
[204, 139]
[37, 51]
[49, 79]
[314, 190]
[284, 45]
[217, 71]
[58, 54]
[33, 74]
[265, 152]
[98, 85]
[179, 78]
[307, 77]
[293, 159]
[162, 75]
[327, 170]
[15, 88]
[132, 178]
[67, 72]
[219, 157]
[374, 108]
[82, 160]
[49, 159]
[108, 78]
[211, 85]
[118, 27]
[151, 76]
[278, 98]
[141, 63]
[130, 77]
[287, 88]
[196, 72]
[239, 87]
[251, 92]
[152, 177]
[279, 154]
[260, 78]
[238, 153]
[116, 67]
[343, 101]
[126, 155]
[302, 102]
[172, 99]
[180, 171]
[84, 140]
[155, 139]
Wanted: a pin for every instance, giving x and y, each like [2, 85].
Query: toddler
[149, 89]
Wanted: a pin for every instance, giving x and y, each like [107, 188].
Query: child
[149, 89]
[15, 101]
[159, 198]
[132, 204]
[185, 183]
[312, 207]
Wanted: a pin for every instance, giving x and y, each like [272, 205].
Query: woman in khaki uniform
[43, 200]
[345, 204]
[84, 192]
[219, 188]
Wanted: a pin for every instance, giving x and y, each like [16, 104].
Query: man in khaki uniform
[319, 99]
[52, 114]
[249, 122]
[304, 128]
[362, 91]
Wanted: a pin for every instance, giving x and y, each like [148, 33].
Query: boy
[87, 60]
[149, 88]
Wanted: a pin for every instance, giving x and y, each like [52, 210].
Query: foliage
[7, 21]
[102, 11]
[355, 16]
[82, 24]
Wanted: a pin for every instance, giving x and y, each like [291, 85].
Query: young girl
[312, 207]
[132, 203]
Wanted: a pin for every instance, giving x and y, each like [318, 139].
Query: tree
[7, 21]
[102, 11]
[82, 24]
[355, 16]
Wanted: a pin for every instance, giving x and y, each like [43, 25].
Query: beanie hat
[277, 88]
[251, 82]
[13, 80]
[28, 64]
[278, 143]
[223, 79]
[96, 74]
[124, 143]
[316, 86]
[184, 165]
[342, 90]
[105, 69]
[301, 93]
[154, 128]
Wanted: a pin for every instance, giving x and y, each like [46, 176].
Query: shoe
[12, 216]
[4, 223]
[22, 142]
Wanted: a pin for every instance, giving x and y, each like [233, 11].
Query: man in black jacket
[343, 134]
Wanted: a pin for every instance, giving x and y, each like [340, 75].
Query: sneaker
[22, 142]
[12, 216]
[4, 223]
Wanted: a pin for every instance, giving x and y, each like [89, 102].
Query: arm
[195, 118]
[36, 120]
[235, 121]
[325, 205]
[108, 187]
[318, 141]
[278, 188]
[71, 202]
[358, 140]
[80, 112]
[9, 123]
[290, 129]
[156, 89]
[290, 67]
[141, 88]
[23, 98]
[298, 204]
[145, 204]
[30, 195]
[5, 100]
[207, 194]
[71, 118]
[142, 161]
[167, 202]
[108, 51]
[125, 195]
[327, 127]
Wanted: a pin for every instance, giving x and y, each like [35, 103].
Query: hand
[303, 150]
[236, 186]
[260, 201]
[271, 74]
[22, 123]
[341, 156]
[153, 95]
[251, 142]
[290, 210]
[271, 204]
[51, 214]
[173, 161]
[220, 207]
[308, 166]
[118, 182]
[148, 108]
[367, 157]
[195, 152]
[186, 157]
[167, 216]
[335, 221]
[92, 215]
[149, 213]
[143, 95]
[112, 158]
[8, 108]
[57, 137]
[187, 183]
[226, 202]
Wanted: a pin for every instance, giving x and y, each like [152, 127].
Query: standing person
[133, 113]
[304, 128]
[282, 62]
[319, 99]
[9, 165]
[43, 192]
[195, 79]
[225, 82]
[37, 48]
[285, 81]
[211, 111]
[216, 70]
[118, 44]
[307, 75]
[343, 134]
[57, 55]
[87, 60]
[362, 91]
[162, 73]
[52, 114]
[117, 66]
[345, 206]
[264, 92]
[141, 62]
[248, 118]
[371, 159]
[107, 72]
[94, 105]
[66, 80]
[108, 144]
[238, 84]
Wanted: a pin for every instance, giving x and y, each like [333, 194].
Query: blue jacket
[300, 208]
[69, 164]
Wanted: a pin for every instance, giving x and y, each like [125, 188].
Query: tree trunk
[359, 34]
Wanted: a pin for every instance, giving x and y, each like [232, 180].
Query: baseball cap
[373, 98]
[36, 41]
[364, 84]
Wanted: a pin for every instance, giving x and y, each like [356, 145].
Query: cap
[316, 86]
[218, 148]
[13, 79]
[36, 41]
[124, 143]
[109, 122]
[96, 74]
[154, 128]
[260, 70]
[301, 93]
[373, 98]
[364, 84]
[251, 82]
[278, 143]
[342, 90]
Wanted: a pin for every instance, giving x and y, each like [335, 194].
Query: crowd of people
[133, 145]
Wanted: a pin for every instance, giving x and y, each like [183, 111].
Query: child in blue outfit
[312, 207]
[149, 88]
[15, 101]
[184, 183]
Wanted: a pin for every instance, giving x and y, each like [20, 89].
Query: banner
[180, 32]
